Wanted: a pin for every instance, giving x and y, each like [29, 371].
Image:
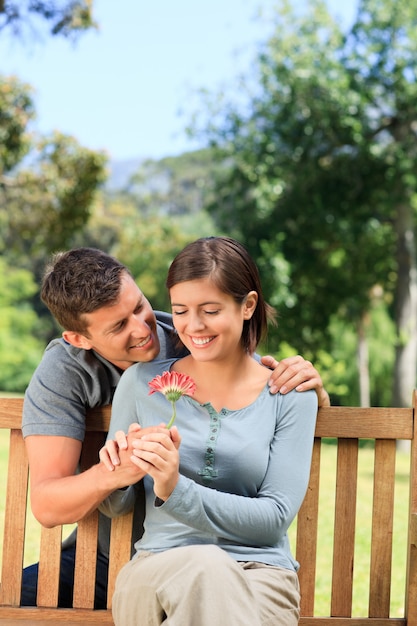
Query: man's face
[124, 333]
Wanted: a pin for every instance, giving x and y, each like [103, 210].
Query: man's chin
[144, 356]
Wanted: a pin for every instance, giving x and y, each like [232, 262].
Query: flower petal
[172, 383]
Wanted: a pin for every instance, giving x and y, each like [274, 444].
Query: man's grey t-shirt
[70, 380]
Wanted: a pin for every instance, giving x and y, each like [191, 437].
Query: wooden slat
[344, 527]
[382, 529]
[120, 549]
[365, 423]
[11, 412]
[413, 529]
[369, 423]
[380, 422]
[99, 418]
[11, 415]
[87, 533]
[85, 564]
[49, 566]
[306, 544]
[14, 521]
[27, 616]
[411, 582]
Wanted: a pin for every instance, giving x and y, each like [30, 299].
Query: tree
[66, 18]
[320, 171]
[16, 111]
[47, 184]
[20, 347]
[45, 205]
[47, 190]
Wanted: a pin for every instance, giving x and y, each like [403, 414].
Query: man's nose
[139, 325]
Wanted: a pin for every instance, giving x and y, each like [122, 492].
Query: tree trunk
[406, 309]
[363, 363]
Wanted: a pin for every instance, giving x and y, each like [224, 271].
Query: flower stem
[174, 415]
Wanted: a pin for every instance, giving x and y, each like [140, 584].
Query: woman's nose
[195, 322]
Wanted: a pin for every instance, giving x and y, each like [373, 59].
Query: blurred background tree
[320, 170]
[26, 17]
[310, 161]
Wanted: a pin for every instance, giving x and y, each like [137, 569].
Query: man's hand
[294, 372]
[110, 453]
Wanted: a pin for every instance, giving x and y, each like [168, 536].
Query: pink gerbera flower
[173, 385]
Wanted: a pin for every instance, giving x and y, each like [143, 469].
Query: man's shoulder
[59, 345]
[164, 319]
[63, 360]
[60, 351]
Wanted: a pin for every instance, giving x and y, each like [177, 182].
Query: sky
[122, 88]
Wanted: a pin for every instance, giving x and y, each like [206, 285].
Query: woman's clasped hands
[149, 451]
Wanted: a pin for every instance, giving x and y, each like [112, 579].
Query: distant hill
[121, 171]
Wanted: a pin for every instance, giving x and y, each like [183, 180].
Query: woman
[224, 484]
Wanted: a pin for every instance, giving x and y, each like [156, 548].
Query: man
[108, 325]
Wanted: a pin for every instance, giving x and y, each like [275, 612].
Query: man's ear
[76, 339]
[250, 305]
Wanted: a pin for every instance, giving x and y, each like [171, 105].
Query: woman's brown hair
[228, 264]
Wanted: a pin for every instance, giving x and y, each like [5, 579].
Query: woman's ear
[249, 305]
[77, 340]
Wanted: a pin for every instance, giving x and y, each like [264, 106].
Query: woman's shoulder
[302, 399]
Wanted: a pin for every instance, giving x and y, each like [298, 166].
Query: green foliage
[340, 372]
[66, 18]
[20, 350]
[16, 110]
[319, 162]
[43, 206]
[47, 189]
[311, 159]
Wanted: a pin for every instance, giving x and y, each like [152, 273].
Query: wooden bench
[347, 425]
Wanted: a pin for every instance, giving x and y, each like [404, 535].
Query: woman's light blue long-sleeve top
[243, 473]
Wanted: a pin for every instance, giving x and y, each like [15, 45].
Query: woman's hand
[110, 452]
[157, 454]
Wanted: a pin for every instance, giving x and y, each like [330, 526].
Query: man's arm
[58, 494]
[294, 372]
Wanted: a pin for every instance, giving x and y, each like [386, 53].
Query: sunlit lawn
[361, 578]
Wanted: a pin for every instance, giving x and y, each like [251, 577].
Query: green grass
[324, 565]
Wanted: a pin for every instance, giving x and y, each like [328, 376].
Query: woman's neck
[231, 384]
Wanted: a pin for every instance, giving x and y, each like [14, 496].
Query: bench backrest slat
[120, 552]
[14, 520]
[307, 528]
[49, 562]
[344, 527]
[382, 528]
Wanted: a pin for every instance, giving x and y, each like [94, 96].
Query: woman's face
[208, 321]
